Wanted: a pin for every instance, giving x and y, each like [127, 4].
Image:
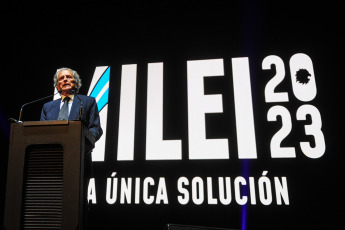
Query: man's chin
[67, 91]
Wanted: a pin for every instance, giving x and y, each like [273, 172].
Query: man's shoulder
[51, 102]
[86, 99]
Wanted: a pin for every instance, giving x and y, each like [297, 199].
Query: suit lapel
[74, 114]
[55, 109]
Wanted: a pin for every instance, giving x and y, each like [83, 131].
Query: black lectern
[45, 177]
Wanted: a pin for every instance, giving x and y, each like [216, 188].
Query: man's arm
[94, 121]
[43, 113]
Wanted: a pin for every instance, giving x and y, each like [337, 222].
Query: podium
[45, 177]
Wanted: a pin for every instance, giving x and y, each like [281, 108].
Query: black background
[40, 36]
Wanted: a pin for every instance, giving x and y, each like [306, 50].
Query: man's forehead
[65, 72]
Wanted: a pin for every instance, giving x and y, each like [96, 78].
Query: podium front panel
[45, 174]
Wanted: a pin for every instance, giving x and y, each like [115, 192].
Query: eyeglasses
[61, 78]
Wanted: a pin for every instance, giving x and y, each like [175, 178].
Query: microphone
[21, 109]
[12, 120]
[81, 106]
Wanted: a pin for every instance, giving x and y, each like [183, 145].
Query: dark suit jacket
[90, 115]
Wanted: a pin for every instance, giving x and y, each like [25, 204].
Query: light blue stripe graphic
[104, 79]
[103, 100]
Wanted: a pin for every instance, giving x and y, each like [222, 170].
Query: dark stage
[218, 114]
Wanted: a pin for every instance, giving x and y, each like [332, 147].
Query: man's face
[66, 82]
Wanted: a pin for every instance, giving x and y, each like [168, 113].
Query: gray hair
[75, 75]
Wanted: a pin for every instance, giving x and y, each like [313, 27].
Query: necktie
[63, 114]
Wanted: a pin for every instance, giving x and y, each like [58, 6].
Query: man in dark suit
[68, 83]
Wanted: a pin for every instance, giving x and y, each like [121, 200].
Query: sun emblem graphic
[303, 76]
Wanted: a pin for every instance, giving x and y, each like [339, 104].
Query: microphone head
[12, 120]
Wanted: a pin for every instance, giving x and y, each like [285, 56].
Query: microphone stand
[21, 109]
[81, 107]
